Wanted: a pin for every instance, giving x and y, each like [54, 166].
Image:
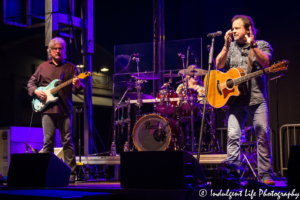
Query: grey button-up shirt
[254, 90]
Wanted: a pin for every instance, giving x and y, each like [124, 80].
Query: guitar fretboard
[54, 90]
[250, 76]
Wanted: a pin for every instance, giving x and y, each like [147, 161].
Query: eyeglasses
[56, 49]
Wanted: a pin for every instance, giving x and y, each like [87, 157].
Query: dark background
[130, 21]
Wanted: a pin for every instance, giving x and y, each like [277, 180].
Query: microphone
[137, 55]
[29, 147]
[215, 34]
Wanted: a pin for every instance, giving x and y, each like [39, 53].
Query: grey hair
[55, 41]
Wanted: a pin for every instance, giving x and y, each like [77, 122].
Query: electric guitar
[223, 86]
[51, 90]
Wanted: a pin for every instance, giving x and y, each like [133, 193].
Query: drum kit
[163, 129]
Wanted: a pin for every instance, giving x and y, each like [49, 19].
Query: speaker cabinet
[160, 170]
[58, 151]
[37, 170]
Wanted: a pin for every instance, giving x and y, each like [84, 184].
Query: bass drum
[153, 133]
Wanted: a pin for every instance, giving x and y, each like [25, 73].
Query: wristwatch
[254, 45]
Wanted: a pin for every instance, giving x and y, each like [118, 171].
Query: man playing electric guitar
[250, 55]
[57, 114]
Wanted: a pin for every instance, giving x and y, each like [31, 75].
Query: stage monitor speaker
[160, 170]
[293, 173]
[37, 170]
[58, 151]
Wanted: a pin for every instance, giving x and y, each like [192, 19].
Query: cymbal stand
[192, 124]
[189, 100]
[128, 88]
[184, 75]
[138, 85]
[120, 122]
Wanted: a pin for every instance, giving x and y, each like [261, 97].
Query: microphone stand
[205, 97]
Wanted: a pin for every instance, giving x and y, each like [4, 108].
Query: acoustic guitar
[222, 87]
[51, 90]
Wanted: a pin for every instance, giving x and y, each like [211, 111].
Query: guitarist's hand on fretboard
[41, 94]
[76, 82]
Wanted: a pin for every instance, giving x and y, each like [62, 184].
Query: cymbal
[134, 95]
[127, 84]
[171, 75]
[193, 72]
[146, 75]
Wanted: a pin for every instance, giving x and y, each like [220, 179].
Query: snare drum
[168, 108]
[153, 133]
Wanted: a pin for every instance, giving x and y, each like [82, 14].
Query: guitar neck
[247, 77]
[54, 90]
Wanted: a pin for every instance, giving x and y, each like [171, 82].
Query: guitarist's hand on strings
[41, 94]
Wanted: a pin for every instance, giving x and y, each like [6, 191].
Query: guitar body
[220, 87]
[37, 104]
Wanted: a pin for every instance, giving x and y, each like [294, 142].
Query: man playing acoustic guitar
[250, 55]
[57, 114]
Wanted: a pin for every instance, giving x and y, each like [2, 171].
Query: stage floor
[112, 190]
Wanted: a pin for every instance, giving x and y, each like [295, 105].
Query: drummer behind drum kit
[162, 131]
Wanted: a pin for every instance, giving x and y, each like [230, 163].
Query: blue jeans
[259, 116]
[52, 121]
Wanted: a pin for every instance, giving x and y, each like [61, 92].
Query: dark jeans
[64, 124]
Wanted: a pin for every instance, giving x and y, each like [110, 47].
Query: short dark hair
[247, 22]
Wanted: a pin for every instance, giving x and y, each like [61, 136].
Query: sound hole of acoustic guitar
[229, 84]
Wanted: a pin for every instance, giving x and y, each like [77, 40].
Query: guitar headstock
[280, 66]
[84, 75]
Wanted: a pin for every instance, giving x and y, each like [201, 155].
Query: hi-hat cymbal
[193, 72]
[127, 84]
[134, 95]
[146, 75]
[171, 75]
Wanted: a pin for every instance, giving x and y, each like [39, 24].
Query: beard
[240, 39]
[58, 57]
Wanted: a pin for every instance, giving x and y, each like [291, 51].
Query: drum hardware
[165, 106]
[185, 88]
[119, 126]
[128, 84]
[146, 75]
[138, 82]
[166, 103]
